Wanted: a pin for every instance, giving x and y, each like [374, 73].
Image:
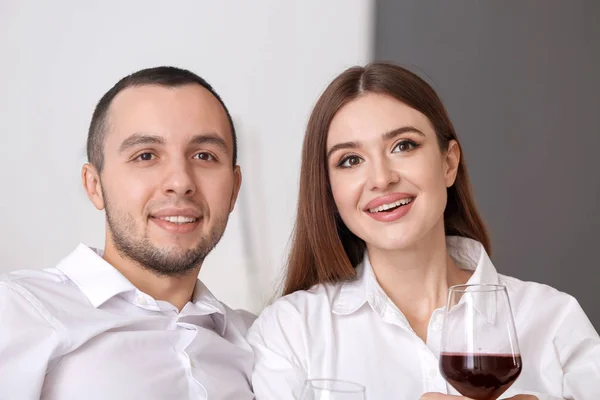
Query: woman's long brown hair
[322, 248]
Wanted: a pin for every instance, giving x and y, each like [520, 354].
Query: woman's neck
[417, 279]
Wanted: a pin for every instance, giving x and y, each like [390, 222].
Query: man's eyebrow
[140, 139]
[211, 138]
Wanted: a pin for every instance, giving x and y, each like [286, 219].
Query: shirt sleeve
[577, 345]
[28, 343]
[279, 369]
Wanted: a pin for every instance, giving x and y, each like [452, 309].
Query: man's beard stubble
[166, 262]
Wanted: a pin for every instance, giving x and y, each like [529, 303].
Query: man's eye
[204, 156]
[146, 157]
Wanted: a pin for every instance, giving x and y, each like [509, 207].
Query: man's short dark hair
[164, 76]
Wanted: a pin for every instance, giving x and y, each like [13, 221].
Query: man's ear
[90, 178]
[237, 183]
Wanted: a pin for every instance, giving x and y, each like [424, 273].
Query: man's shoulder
[241, 318]
[27, 276]
[31, 298]
[27, 282]
[42, 290]
[245, 316]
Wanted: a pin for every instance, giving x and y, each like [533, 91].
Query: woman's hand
[439, 396]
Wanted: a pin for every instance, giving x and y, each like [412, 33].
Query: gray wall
[521, 81]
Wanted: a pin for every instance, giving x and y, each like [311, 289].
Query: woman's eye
[204, 156]
[405, 145]
[146, 157]
[350, 162]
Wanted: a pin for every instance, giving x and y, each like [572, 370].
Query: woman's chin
[387, 244]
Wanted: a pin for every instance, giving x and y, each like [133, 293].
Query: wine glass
[332, 389]
[480, 354]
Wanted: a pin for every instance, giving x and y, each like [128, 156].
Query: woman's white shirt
[352, 331]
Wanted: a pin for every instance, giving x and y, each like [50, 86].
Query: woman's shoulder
[532, 288]
[546, 315]
[297, 308]
[317, 297]
[535, 295]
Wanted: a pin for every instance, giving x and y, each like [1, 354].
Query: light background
[268, 59]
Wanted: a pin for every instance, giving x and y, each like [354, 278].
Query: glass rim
[348, 386]
[477, 287]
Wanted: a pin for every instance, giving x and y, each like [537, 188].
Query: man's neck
[177, 290]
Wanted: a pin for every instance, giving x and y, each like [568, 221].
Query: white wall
[269, 60]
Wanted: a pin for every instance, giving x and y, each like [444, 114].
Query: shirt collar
[96, 278]
[205, 303]
[99, 281]
[353, 294]
[204, 300]
[469, 254]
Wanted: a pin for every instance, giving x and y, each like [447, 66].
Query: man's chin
[175, 245]
[175, 261]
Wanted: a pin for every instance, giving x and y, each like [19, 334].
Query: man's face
[168, 183]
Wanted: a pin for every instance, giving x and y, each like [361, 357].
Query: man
[133, 321]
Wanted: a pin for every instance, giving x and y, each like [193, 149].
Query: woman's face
[387, 172]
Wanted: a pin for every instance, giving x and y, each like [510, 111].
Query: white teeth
[384, 207]
[178, 219]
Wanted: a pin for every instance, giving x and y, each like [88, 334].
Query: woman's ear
[452, 161]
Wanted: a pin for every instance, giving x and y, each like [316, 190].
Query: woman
[386, 224]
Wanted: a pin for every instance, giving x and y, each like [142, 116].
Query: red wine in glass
[480, 355]
[480, 376]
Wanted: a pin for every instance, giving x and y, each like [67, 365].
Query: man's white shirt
[83, 331]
